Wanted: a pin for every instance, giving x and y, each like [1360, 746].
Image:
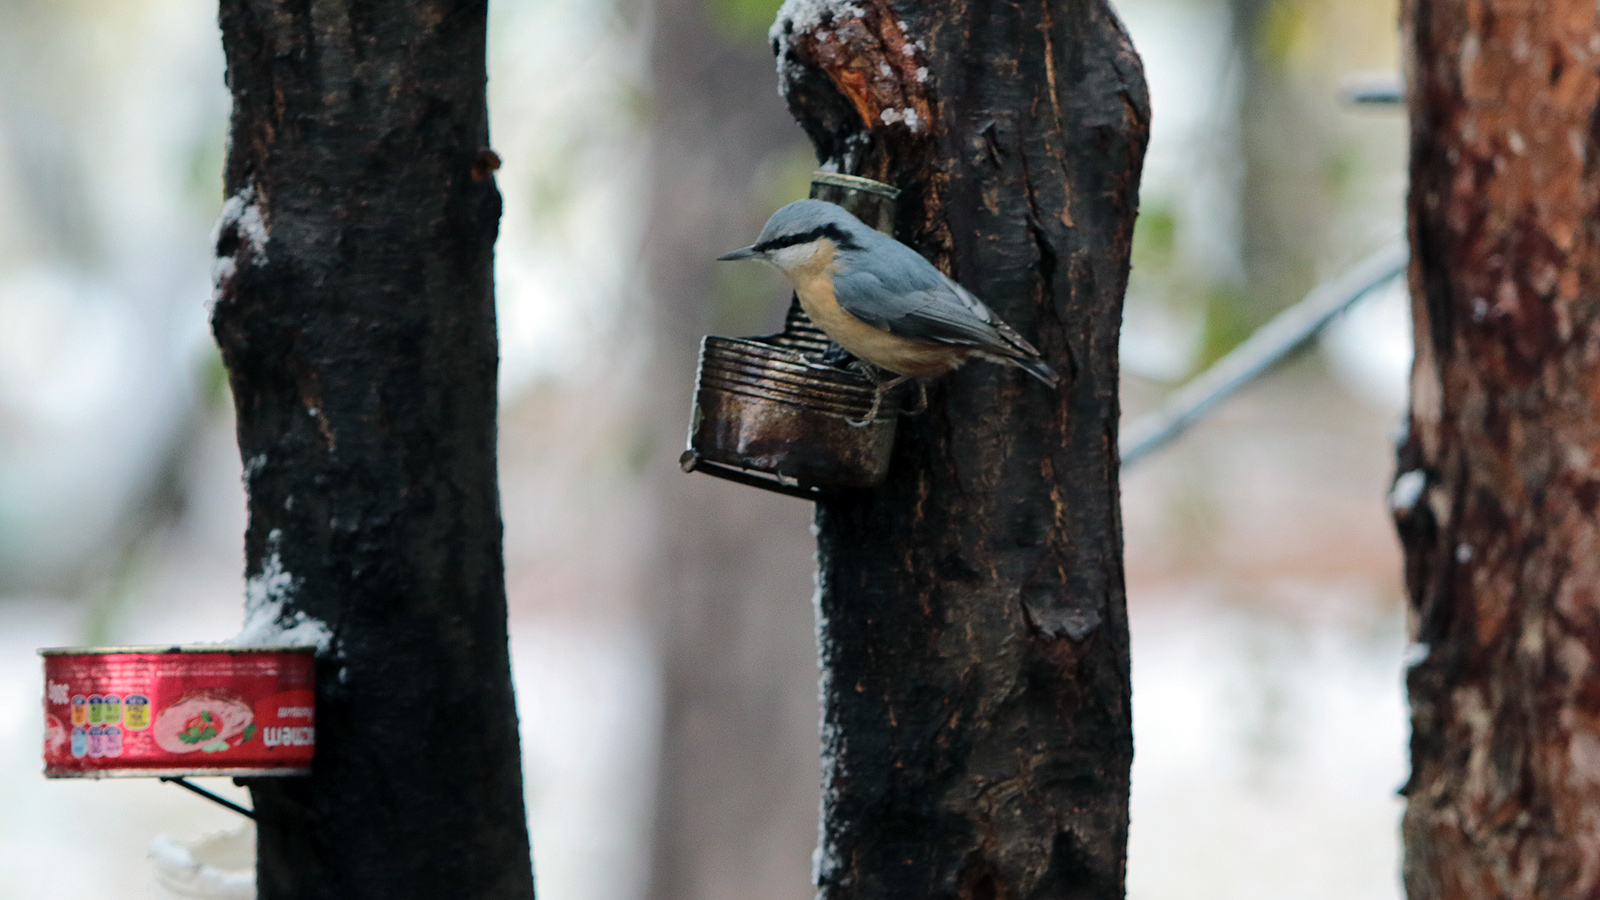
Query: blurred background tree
[736, 777]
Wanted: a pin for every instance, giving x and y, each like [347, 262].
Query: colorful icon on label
[80, 710]
[80, 742]
[111, 743]
[97, 709]
[111, 710]
[97, 741]
[136, 712]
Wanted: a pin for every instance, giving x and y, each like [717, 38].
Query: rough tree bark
[355, 311]
[1499, 482]
[972, 619]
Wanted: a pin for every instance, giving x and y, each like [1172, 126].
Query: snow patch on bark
[223, 268]
[1407, 491]
[266, 622]
[825, 858]
[908, 117]
[253, 466]
[240, 217]
[242, 213]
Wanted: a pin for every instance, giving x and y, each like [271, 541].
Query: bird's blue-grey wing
[919, 305]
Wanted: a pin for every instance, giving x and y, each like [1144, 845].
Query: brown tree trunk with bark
[972, 615]
[1499, 477]
[355, 312]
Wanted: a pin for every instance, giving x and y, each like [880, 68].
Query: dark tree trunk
[1499, 480]
[355, 311]
[972, 619]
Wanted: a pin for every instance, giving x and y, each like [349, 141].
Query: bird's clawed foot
[922, 399]
[838, 357]
[879, 389]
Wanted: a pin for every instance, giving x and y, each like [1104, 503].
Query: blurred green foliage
[1288, 33]
[743, 21]
[747, 298]
[1226, 315]
[1155, 238]
[1230, 317]
[215, 392]
[1340, 171]
[744, 298]
[203, 172]
[784, 177]
[550, 187]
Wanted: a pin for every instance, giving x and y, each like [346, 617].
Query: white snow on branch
[803, 15]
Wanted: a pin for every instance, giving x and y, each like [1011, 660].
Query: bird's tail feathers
[1038, 368]
[1033, 365]
[1024, 356]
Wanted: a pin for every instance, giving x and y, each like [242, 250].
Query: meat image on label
[210, 721]
[55, 734]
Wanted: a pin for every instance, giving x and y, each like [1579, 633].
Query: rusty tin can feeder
[170, 712]
[770, 413]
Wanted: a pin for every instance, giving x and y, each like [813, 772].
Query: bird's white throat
[797, 256]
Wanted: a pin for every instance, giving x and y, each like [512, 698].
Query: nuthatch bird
[880, 300]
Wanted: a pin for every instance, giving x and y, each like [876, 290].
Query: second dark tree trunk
[977, 733]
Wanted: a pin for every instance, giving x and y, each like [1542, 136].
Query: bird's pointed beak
[741, 253]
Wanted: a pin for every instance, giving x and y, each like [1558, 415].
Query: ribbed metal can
[764, 407]
[165, 711]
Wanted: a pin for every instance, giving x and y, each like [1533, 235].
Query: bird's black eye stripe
[830, 231]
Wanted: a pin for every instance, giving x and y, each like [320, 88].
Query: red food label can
[150, 711]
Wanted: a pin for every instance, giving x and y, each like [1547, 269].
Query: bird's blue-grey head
[795, 231]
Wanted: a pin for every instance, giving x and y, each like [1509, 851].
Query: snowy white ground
[1268, 751]
[584, 697]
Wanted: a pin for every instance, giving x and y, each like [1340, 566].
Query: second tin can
[164, 711]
